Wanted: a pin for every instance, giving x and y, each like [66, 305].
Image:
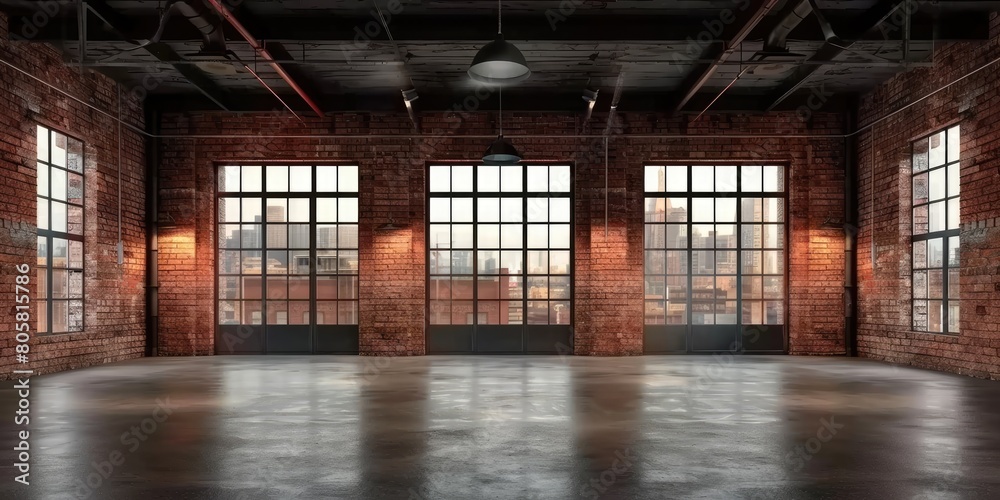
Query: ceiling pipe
[264, 54]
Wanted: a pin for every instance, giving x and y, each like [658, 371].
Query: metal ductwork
[777, 39]
[201, 17]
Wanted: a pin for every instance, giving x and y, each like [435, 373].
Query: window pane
[655, 262]
[60, 316]
[251, 211]
[920, 315]
[920, 220]
[251, 179]
[489, 210]
[461, 178]
[677, 181]
[42, 179]
[59, 221]
[42, 251]
[538, 236]
[440, 236]
[326, 210]
[954, 251]
[60, 252]
[655, 179]
[74, 156]
[276, 210]
[251, 262]
[725, 210]
[277, 236]
[560, 179]
[488, 178]
[920, 254]
[75, 254]
[60, 284]
[461, 262]
[559, 313]
[538, 178]
[935, 316]
[677, 262]
[58, 150]
[954, 143]
[725, 179]
[42, 142]
[347, 179]
[42, 220]
[510, 210]
[920, 156]
[347, 236]
[773, 210]
[702, 210]
[676, 236]
[300, 179]
[559, 262]
[954, 221]
[326, 179]
[559, 210]
[461, 210]
[954, 179]
[298, 210]
[347, 210]
[461, 236]
[702, 178]
[74, 219]
[511, 180]
[511, 236]
[936, 152]
[954, 315]
[277, 179]
[935, 253]
[774, 179]
[559, 236]
[937, 186]
[439, 178]
[752, 178]
[935, 284]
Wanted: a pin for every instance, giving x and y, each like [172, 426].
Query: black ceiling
[648, 54]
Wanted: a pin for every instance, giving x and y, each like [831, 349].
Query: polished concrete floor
[482, 427]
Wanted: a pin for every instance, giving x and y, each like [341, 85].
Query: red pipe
[264, 54]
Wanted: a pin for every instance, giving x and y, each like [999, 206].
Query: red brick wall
[114, 294]
[609, 274]
[885, 287]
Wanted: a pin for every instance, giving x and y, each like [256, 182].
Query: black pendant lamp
[499, 62]
[501, 151]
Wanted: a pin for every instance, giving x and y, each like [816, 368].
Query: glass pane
[774, 263]
[229, 312]
[229, 262]
[677, 181]
[440, 236]
[538, 262]
[655, 179]
[42, 180]
[229, 210]
[655, 209]
[725, 262]
[277, 262]
[277, 236]
[277, 313]
[559, 313]
[935, 284]
[347, 236]
[461, 210]
[277, 179]
[773, 210]
[538, 236]
[752, 178]
[954, 179]
[488, 178]
[935, 252]
[60, 252]
[488, 312]
[935, 316]
[462, 312]
[538, 209]
[559, 210]
[488, 236]
[229, 235]
[559, 262]
[510, 210]
[74, 188]
[461, 236]
[251, 211]
[298, 312]
[937, 146]
[920, 220]
[60, 316]
[489, 261]
[774, 312]
[774, 179]
[753, 287]
[59, 221]
[920, 315]
[702, 179]
[954, 251]
[439, 178]
[42, 251]
[753, 313]
[511, 178]
[74, 156]
[347, 179]
[58, 150]
[954, 143]
[676, 236]
[511, 262]
[920, 284]
[559, 236]
[298, 288]
[655, 312]
[60, 284]
[277, 288]
[511, 236]
[489, 210]
[75, 284]
[703, 262]
[74, 219]
[347, 262]
[920, 156]
[42, 142]
[251, 262]
[42, 220]
[655, 262]
[725, 179]
[229, 288]
[298, 210]
[538, 312]
[252, 180]
[229, 178]
[440, 312]
[954, 221]
[676, 301]
[920, 254]
[461, 179]
[300, 179]
[560, 179]
[656, 287]
[753, 210]
[538, 178]
[703, 210]
[58, 180]
[702, 236]
[937, 185]
[299, 262]
[936, 220]
[654, 236]
[326, 179]
[75, 254]
[347, 210]
[326, 236]
[677, 262]
[326, 210]
[954, 315]
[725, 210]
[326, 313]
[347, 287]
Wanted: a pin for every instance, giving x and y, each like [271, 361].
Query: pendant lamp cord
[499, 16]
[501, 111]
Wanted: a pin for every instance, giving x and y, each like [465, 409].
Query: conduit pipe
[264, 53]
[480, 136]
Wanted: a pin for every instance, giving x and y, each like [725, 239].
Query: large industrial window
[499, 247]
[714, 255]
[288, 246]
[60, 232]
[936, 232]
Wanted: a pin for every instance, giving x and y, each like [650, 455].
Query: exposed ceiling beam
[423, 28]
[865, 23]
[700, 74]
[443, 101]
[117, 24]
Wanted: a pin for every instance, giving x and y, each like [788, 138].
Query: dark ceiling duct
[777, 39]
[201, 17]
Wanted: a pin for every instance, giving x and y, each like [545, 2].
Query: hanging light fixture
[501, 151]
[499, 62]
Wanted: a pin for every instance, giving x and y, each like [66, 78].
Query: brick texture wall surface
[885, 309]
[115, 303]
[608, 264]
